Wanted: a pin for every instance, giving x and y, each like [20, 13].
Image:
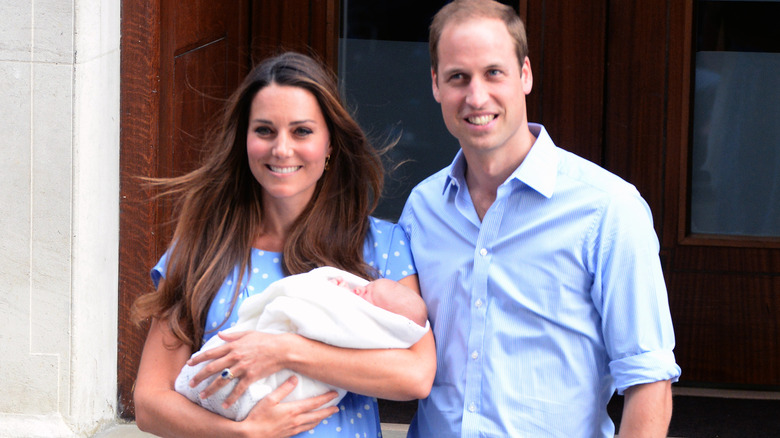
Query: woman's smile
[283, 170]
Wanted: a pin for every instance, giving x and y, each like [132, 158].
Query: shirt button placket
[473, 395]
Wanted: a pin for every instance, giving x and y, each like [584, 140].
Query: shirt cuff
[652, 366]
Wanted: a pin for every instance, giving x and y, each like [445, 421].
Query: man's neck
[487, 171]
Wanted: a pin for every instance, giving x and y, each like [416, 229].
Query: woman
[288, 186]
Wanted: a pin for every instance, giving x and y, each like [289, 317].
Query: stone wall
[59, 211]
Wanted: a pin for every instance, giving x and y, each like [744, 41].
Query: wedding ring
[226, 374]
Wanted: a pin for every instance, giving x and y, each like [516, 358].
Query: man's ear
[527, 76]
[435, 86]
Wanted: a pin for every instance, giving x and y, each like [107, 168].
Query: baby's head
[394, 297]
[377, 292]
[380, 292]
[391, 296]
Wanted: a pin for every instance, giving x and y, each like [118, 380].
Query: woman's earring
[327, 161]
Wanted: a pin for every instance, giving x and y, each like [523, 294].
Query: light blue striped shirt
[545, 307]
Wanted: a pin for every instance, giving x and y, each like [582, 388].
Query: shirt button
[478, 303]
[474, 355]
[483, 252]
[472, 408]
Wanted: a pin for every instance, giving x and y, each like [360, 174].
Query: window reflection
[735, 174]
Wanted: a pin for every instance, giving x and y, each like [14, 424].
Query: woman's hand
[164, 412]
[250, 356]
[279, 419]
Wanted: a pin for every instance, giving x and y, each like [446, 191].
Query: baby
[327, 305]
[391, 296]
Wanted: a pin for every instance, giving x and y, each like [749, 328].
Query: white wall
[59, 215]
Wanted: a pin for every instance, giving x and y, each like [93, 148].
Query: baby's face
[366, 292]
[378, 292]
[369, 292]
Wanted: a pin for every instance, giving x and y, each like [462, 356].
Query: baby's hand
[338, 281]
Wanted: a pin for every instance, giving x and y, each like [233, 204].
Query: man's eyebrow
[454, 70]
[447, 73]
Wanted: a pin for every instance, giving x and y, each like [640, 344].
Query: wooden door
[724, 291]
[179, 59]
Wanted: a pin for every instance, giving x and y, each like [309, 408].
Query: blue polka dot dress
[386, 248]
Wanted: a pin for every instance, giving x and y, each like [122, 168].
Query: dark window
[735, 157]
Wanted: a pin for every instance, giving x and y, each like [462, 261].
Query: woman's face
[287, 142]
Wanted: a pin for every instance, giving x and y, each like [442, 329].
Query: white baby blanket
[311, 306]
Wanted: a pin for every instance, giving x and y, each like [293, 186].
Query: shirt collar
[457, 173]
[538, 170]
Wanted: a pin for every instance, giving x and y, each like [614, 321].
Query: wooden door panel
[306, 26]
[140, 66]
[726, 326]
[567, 45]
[725, 259]
[196, 23]
[635, 98]
[205, 56]
[724, 292]
[179, 60]
[200, 81]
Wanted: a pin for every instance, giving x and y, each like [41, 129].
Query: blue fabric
[545, 307]
[386, 248]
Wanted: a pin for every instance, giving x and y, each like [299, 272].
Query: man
[540, 269]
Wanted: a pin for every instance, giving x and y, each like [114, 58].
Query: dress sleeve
[387, 249]
[158, 271]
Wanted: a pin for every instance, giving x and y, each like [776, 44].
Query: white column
[59, 210]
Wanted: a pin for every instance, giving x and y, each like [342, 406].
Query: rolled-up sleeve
[630, 290]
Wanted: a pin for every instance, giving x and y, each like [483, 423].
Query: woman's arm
[395, 374]
[164, 412]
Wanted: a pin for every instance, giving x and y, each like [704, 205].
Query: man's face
[480, 85]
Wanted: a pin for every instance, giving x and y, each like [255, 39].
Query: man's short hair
[459, 11]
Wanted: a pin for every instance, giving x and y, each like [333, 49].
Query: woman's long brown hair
[220, 208]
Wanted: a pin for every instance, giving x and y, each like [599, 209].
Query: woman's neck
[275, 226]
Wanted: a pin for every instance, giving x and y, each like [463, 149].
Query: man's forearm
[647, 410]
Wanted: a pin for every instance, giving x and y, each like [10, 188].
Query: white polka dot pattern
[357, 415]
